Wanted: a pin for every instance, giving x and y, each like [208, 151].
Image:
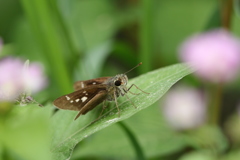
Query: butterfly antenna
[134, 67]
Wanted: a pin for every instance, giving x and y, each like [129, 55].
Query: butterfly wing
[83, 84]
[86, 99]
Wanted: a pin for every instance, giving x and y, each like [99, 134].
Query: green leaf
[198, 155]
[96, 58]
[67, 133]
[237, 7]
[24, 133]
[149, 127]
[232, 155]
[215, 20]
[208, 137]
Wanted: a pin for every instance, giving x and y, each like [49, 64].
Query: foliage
[155, 82]
[79, 40]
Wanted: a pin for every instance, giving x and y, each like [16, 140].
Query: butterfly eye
[117, 83]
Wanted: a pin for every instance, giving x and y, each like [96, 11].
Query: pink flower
[10, 78]
[215, 54]
[184, 108]
[33, 78]
[16, 78]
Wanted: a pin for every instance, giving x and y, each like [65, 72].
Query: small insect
[25, 99]
[90, 93]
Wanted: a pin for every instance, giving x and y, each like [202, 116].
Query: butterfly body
[90, 93]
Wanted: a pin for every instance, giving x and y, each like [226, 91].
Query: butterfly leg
[130, 101]
[137, 88]
[103, 108]
[115, 98]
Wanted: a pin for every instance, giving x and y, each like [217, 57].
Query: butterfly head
[116, 85]
[120, 80]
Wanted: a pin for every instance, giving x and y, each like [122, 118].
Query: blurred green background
[83, 39]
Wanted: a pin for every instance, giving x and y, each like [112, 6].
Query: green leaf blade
[157, 83]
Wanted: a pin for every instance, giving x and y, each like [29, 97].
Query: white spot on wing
[94, 83]
[71, 101]
[82, 85]
[77, 100]
[84, 99]
[68, 98]
[84, 91]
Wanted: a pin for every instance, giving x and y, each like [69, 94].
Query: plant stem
[215, 104]
[40, 18]
[226, 13]
[74, 55]
[135, 144]
[145, 35]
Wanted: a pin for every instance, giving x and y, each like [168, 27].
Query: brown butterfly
[89, 93]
